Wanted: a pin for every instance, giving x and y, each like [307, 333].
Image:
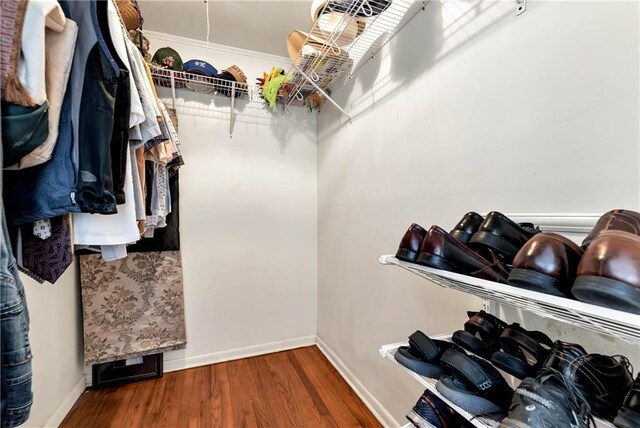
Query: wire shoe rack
[623, 325]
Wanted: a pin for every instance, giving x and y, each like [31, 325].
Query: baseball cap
[232, 74]
[198, 66]
[168, 58]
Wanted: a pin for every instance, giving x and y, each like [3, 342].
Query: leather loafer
[502, 235]
[629, 414]
[466, 227]
[547, 263]
[410, 244]
[624, 220]
[604, 381]
[609, 272]
[440, 250]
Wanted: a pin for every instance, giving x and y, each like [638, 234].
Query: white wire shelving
[389, 351]
[324, 62]
[249, 95]
[623, 325]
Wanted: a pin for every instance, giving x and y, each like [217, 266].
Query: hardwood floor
[297, 388]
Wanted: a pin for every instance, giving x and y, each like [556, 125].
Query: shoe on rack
[548, 401]
[629, 414]
[473, 384]
[547, 263]
[609, 272]
[440, 250]
[624, 220]
[410, 244]
[522, 352]
[423, 354]
[430, 411]
[467, 226]
[603, 380]
[481, 334]
[502, 235]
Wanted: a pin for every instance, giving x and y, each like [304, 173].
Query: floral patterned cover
[133, 306]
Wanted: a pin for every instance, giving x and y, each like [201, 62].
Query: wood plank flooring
[297, 388]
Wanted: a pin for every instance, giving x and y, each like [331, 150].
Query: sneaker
[548, 401]
[430, 411]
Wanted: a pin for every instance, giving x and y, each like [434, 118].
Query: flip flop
[481, 334]
[522, 353]
[473, 384]
[423, 354]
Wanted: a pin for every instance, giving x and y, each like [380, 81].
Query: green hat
[168, 58]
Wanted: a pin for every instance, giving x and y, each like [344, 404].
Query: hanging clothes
[59, 55]
[94, 79]
[52, 184]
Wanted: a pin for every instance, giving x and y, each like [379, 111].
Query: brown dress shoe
[609, 272]
[410, 244]
[440, 250]
[625, 220]
[547, 263]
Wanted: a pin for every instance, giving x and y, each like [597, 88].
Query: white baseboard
[236, 354]
[230, 355]
[378, 410]
[61, 412]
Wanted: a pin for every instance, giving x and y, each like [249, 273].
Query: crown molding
[216, 47]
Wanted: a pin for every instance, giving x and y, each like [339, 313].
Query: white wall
[247, 219]
[468, 108]
[56, 342]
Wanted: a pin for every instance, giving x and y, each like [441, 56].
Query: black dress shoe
[603, 381]
[502, 235]
[466, 227]
[410, 244]
[629, 414]
[440, 250]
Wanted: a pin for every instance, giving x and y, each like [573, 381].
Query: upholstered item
[133, 306]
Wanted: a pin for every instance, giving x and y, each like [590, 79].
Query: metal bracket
[232, 109]
[521, 7]
[319, 89]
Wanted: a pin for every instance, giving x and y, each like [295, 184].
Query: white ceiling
[259, 25]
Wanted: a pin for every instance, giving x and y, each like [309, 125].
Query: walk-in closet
[320, 213]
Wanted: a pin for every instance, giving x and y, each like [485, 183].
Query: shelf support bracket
[173, 89]
[232, 109]
[319, 89]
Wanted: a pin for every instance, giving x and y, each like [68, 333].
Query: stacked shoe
[430, 411]
[548, 401]
[477, 246]
[602, 380]
[605, 271]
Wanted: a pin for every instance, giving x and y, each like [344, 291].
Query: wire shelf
[389, 351]
[327, 59]
[204, 84]
[623, 325]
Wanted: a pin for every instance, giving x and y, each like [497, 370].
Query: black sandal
[481, 334]
[522, 353]
[474, 384]
[423, 354]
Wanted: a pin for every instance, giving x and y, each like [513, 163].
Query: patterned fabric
[46, 260]
[12, 14]
[42, 228]
[132, 307]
